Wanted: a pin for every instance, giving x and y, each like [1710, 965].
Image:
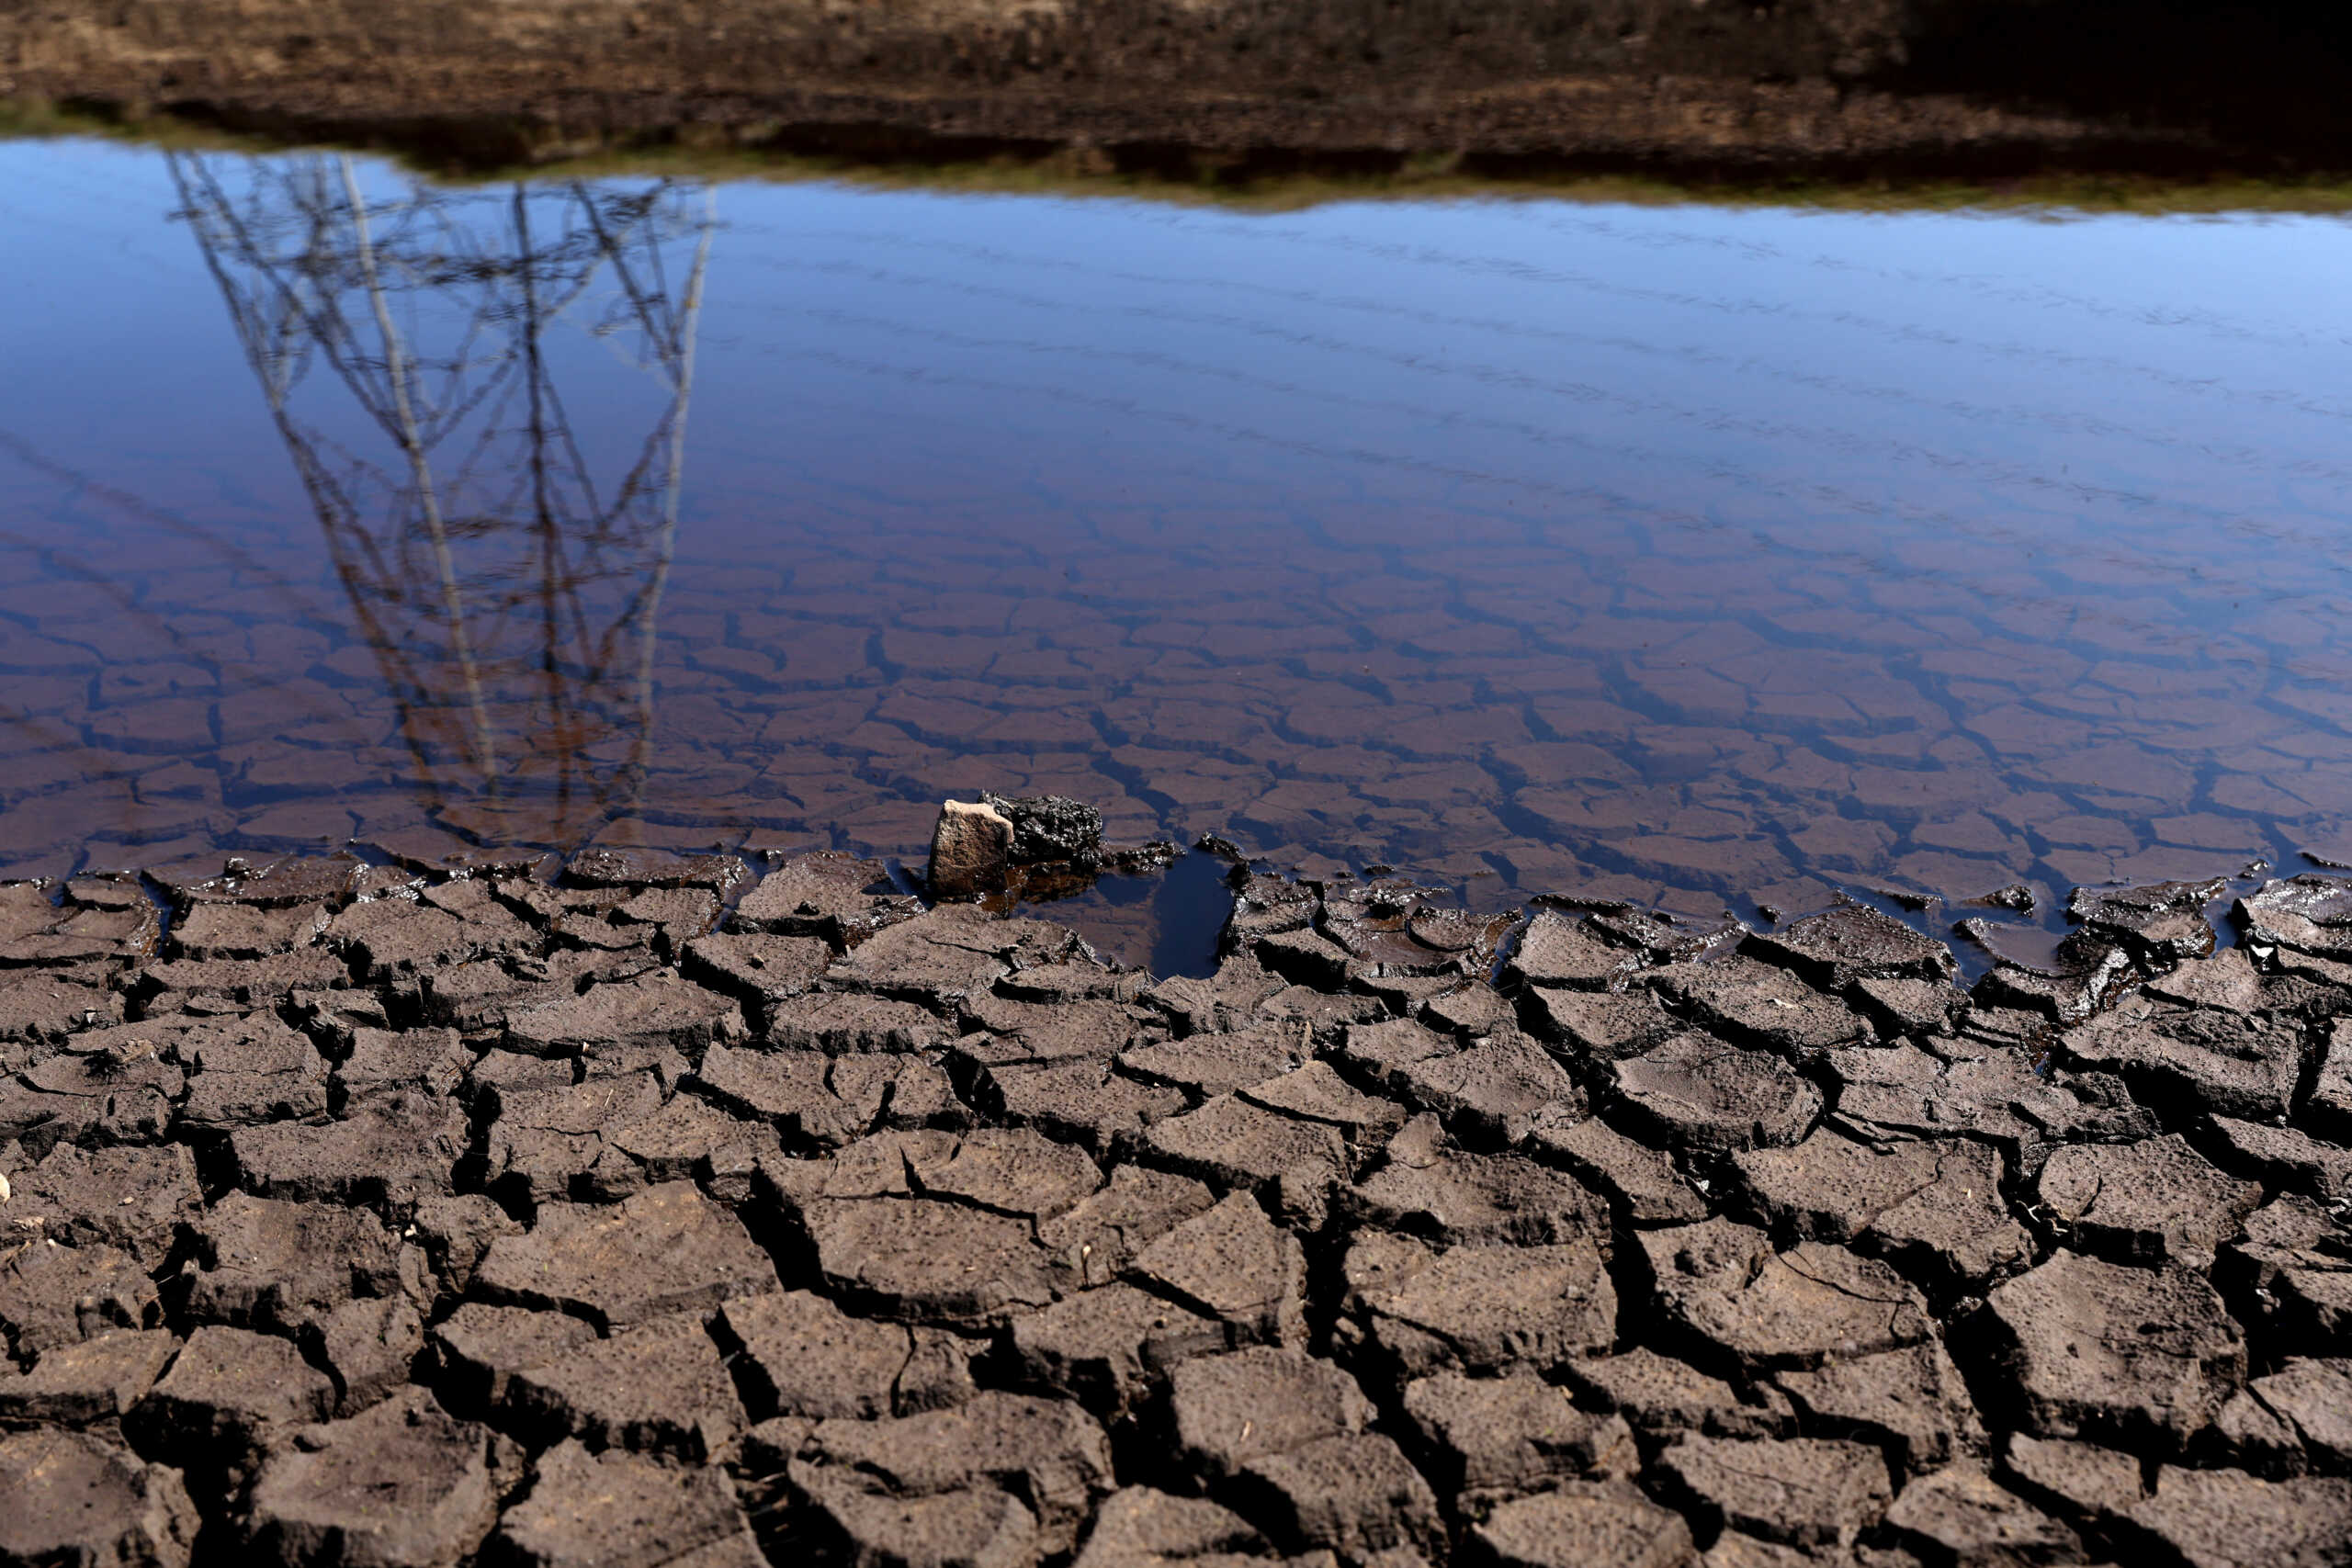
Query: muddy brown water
[1682, 554]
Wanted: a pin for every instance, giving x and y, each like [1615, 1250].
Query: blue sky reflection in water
[1667, 552]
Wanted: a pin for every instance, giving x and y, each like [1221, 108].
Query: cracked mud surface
[650, 1215]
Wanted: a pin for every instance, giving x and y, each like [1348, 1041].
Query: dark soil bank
[650, 1215]
[1722, 85]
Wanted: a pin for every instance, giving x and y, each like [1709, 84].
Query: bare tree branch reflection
[506, 572]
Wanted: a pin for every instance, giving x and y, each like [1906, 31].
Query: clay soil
[644, 1211]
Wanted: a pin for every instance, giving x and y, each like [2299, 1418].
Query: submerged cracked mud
[360, 1214]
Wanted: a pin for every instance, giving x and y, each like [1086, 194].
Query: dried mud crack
[648, 1214]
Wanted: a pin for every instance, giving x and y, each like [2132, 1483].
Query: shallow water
[1665, 552]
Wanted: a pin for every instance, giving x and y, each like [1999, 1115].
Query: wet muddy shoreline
[645, 1209]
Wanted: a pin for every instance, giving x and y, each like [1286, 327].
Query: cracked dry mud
[639, 1216]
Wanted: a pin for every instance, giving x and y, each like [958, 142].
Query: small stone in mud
[971, 849]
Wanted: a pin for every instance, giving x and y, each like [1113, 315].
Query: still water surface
[1669, 552]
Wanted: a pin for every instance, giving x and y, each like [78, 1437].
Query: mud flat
[651, 1213]
[1821, 86]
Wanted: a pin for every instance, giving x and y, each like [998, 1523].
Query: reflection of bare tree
[502, 582]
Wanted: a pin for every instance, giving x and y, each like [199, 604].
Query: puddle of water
[1166, 921]
[1192, 902]
[1677, 554]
